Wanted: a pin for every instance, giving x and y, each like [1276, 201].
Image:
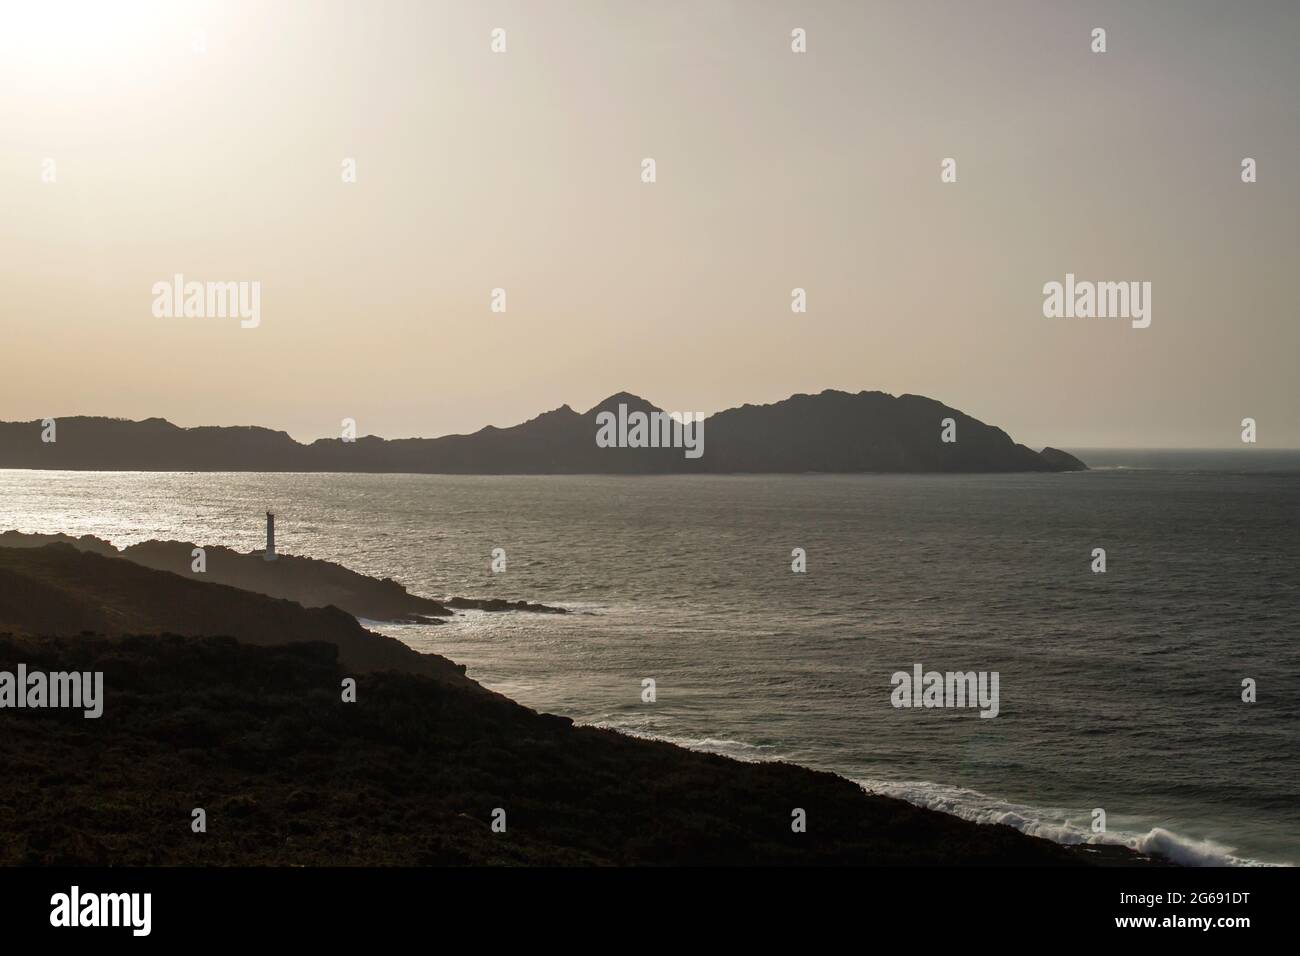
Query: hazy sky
[775, 170]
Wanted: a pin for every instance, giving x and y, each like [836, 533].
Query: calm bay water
[1118, 690]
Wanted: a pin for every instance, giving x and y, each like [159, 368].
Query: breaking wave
[1057, 825]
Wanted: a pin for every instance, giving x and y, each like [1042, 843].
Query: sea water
[1119, 691]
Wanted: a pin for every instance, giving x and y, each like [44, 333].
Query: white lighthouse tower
[270, 538]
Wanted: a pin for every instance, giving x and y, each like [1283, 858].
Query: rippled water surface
[1119, 690]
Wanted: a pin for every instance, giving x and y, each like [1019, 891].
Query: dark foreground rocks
[256, 732]
[311, 582]
[409, 774]
[61, 590]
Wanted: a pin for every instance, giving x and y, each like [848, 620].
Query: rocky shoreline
[235, 702]
[310, 582]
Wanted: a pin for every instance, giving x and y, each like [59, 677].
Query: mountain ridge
[832, 431]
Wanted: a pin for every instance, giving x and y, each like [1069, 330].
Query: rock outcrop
[310, 582]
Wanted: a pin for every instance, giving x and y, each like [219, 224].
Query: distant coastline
[1246, 459]
[832, 432]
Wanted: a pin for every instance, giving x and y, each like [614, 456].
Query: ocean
[1119, 691]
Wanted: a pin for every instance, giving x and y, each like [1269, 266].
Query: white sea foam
[737, 749]
[1053, 824]
[1057, 825]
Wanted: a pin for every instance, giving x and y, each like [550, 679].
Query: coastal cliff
[227, 700]
[60, 590]
[310, 582]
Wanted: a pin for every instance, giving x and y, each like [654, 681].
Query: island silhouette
[831, 432]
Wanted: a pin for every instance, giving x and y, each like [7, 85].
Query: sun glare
[44, 36]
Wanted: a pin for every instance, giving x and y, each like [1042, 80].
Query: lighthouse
[270, 538]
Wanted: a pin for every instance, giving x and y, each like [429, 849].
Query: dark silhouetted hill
[829, 432]
[310, 582]
[60, 590]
